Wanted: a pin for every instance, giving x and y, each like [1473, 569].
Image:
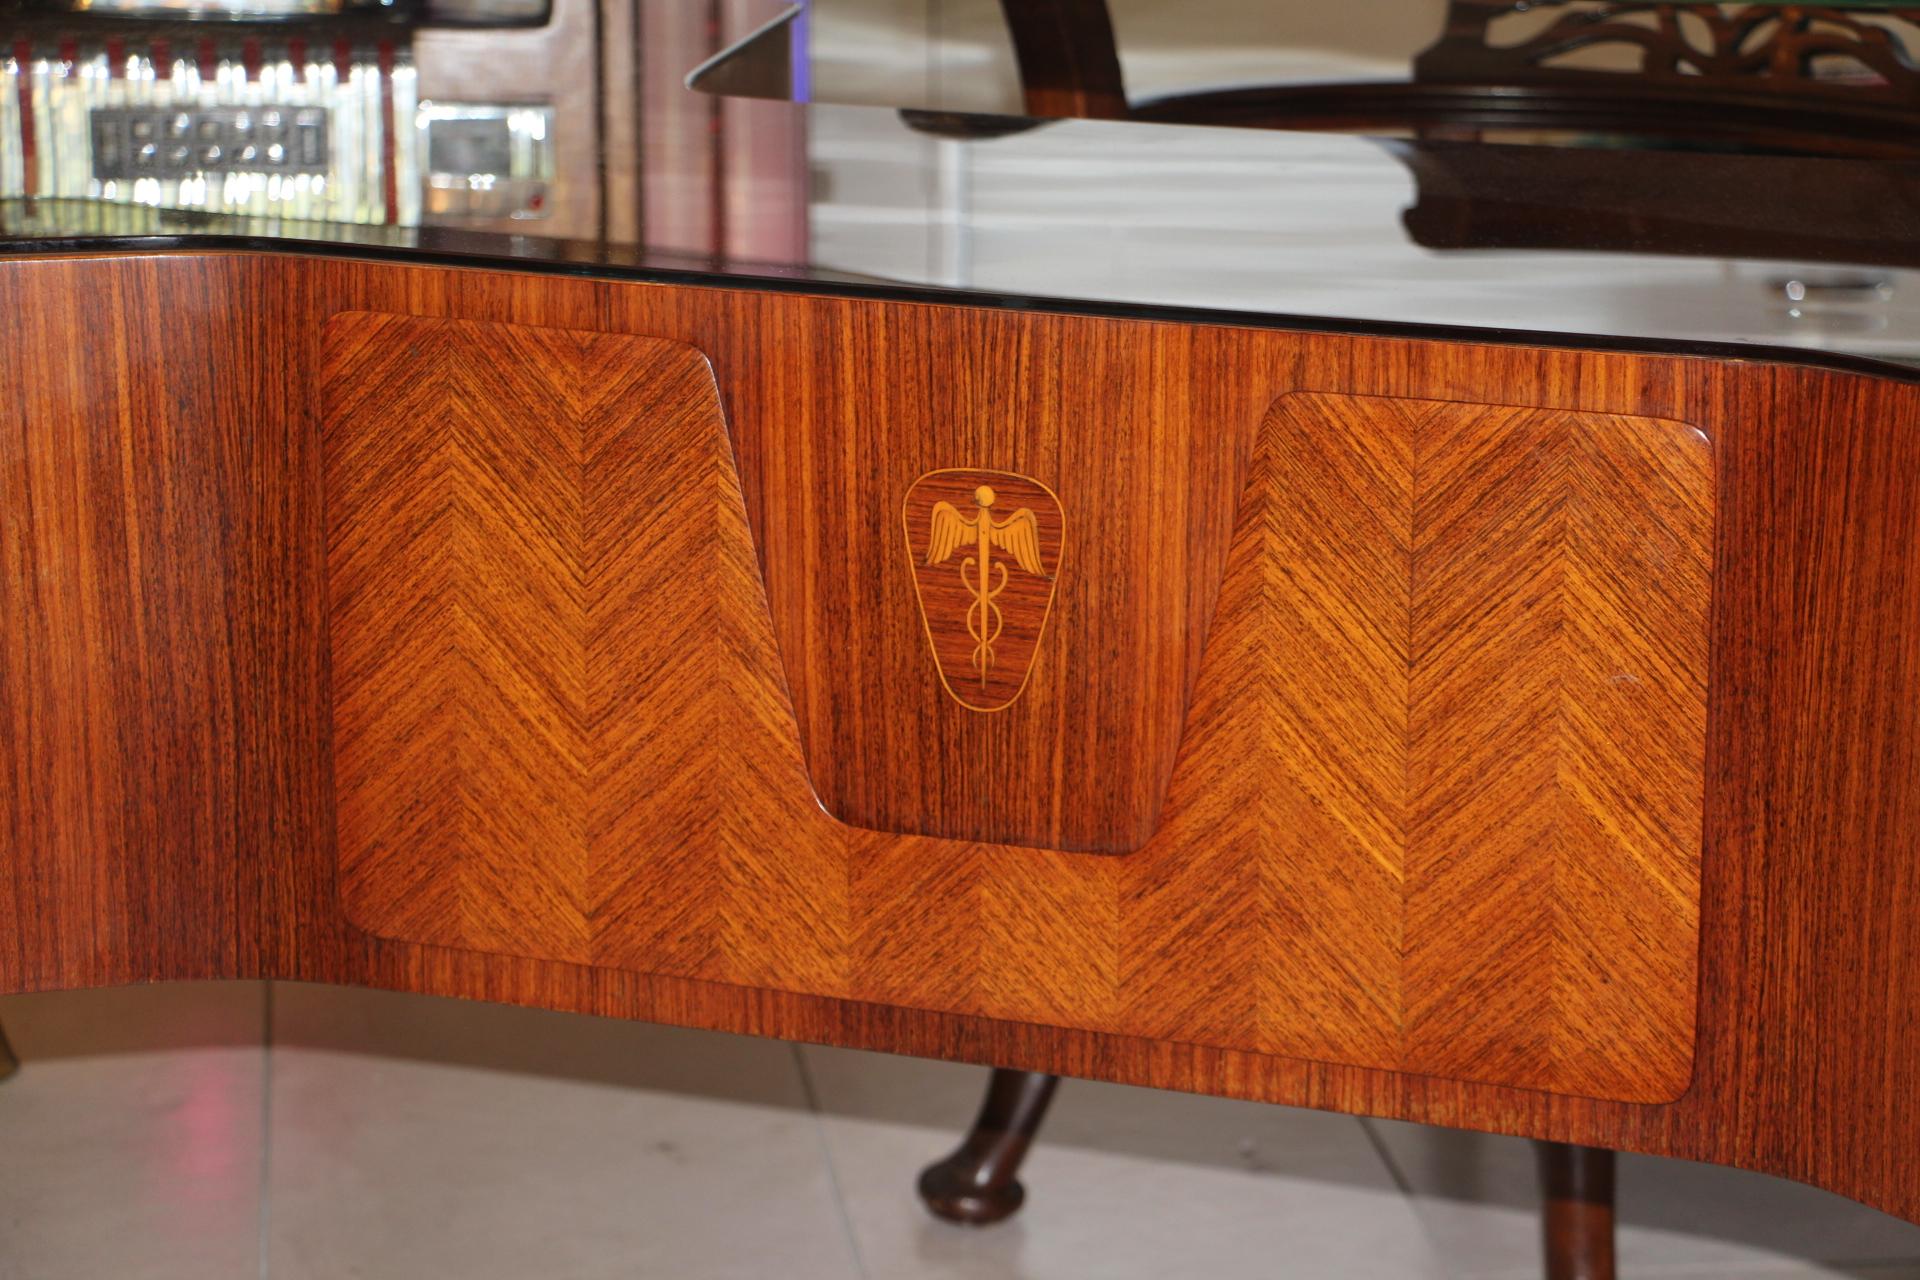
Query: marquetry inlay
[985, 552]
[1437, 805]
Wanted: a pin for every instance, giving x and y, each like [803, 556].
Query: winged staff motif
[1018, 535]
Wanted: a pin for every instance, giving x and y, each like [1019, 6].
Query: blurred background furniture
[1824, 80]
[1634, 118]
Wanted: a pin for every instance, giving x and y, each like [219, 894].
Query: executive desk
[1505, 730]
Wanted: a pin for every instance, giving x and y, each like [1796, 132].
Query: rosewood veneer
[1498, 735]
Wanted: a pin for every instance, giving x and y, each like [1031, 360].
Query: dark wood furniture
[1577, 1186]
[979, 1183]
[1492, 734]
[1812, 79]
[1755, 130]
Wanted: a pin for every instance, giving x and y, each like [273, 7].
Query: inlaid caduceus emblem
[1017, 534]
[985, 548]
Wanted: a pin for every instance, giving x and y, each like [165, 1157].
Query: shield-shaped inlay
[985, 551]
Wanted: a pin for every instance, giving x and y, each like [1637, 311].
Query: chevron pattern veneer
[1445, 766]
[547, 631]
[1437, 806]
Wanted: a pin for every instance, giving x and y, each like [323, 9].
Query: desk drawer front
[1436, 806]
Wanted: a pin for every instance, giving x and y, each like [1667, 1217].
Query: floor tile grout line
[266, 1124]
[826, 1155]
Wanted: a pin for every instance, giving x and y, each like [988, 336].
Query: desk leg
[977, 1184]
[1576, 1185]
[8, 1063]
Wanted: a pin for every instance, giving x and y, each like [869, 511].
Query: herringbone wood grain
[553, 674]
[1440, 798]
[1407, 826]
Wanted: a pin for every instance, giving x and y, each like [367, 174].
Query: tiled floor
[153, 1133]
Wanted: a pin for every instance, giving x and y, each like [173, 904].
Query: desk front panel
[1481, 734]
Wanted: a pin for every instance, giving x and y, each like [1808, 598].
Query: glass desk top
[574, 143]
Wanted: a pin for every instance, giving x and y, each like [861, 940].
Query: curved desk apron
[1491, 732]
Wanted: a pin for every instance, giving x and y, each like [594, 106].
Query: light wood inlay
[1407, 825]
[983, 580]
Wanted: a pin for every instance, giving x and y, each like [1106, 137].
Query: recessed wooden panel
[1479, 643]
[1446, 761]
[550, 656]
[1408, 826]
[1141, 449]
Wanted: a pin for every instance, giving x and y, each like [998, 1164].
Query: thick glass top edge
[483, 251]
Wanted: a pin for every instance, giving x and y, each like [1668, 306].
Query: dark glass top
[1413, 178]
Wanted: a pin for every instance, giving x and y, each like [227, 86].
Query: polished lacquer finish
[1478, 734]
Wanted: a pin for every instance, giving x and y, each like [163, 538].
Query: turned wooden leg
[8, 1063]
[1577, 1189]
[977, 1183]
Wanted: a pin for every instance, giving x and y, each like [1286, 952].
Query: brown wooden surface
[166, 695]
[1576, 1211]
[1438, 806]
[853, 425]
[550, 659]
[1444, 783]
[1069, 62]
